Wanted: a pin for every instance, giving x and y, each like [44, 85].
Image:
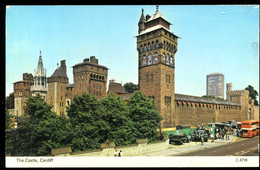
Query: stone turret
[141, 22]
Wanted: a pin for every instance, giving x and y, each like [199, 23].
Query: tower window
[167, 59]
[163, 58]
[149, 59]
[141, 48]
[145, 48]
[144, 60]
[155, 57]
[171, 60]
[168, 78]
[157, 44]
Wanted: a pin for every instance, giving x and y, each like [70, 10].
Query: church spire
[40, 70]
[40, 64]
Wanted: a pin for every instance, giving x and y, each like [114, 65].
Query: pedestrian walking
[120, 153]
[115, 154]
[202, 138]
[226, 134]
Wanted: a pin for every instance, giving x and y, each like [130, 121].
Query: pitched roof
[58, 73]
[156, 15]
[182, 97]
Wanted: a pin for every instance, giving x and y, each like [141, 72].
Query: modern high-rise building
[215, 85]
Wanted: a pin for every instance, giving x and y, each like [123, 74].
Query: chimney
[63, 66]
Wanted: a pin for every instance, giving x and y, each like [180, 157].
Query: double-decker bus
[257, 127]
[249, 128]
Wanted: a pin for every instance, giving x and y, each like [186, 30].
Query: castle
[156, 46]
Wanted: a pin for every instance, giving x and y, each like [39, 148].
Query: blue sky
[219, 38]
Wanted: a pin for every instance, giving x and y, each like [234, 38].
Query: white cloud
[8, 6]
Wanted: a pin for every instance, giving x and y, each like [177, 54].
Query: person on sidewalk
[115, 154]
[202, 138]
[120, 153]
[228, 134]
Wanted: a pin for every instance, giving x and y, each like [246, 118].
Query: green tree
[116, 115]
[145, 117]
[9, 101]
[252, 93]
[84, 116]
[39, 131]
[8, 120]
[131, 87]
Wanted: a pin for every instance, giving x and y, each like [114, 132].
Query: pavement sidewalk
[192, 146]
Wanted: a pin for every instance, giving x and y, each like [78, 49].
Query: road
[245, 147]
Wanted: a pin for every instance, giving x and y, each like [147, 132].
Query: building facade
[57, 84]
[22, 90]
[90, 77]
[157, 46]
[215, 85]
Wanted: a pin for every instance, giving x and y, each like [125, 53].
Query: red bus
[257, 127]
[249, 128]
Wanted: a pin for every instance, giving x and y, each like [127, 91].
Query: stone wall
[131, 150]
[57, 97]
[192, 114]
[256, 113]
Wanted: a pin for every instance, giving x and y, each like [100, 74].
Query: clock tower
[157, 46]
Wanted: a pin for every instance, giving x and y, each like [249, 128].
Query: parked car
[178, 138]
[197, 133]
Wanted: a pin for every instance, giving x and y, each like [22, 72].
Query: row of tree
[89, 123]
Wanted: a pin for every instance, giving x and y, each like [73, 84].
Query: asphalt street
[245, 147]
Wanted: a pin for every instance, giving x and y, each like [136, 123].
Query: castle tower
[157, 46]
[22, 90]
[57, 84]
[229, 89]
[90, 77]
[40, 80]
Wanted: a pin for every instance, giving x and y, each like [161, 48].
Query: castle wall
[197, 113]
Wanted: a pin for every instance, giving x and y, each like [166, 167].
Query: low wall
[131, 150]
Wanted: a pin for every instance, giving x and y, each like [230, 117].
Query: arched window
[157, 44]
[144, 60]
[167, 59]
[149, 59]
[145, 48]
[163, 58]
[171, 60]
[155, 57]
[149, 46]
[153, 45]
[141, 48]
